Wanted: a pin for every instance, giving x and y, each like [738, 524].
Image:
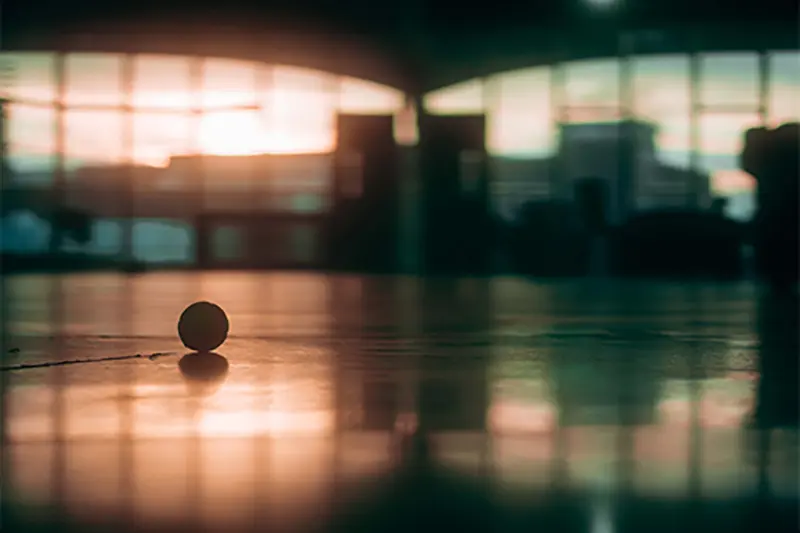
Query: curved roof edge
[442, 61]
[339, 55]
[526, 49]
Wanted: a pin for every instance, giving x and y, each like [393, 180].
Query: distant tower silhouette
[607, 151]
[365, 217]
[455, 192]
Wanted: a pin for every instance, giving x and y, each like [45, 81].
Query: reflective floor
[548, 406]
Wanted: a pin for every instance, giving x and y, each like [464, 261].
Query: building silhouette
[308, 210]
[620, 154]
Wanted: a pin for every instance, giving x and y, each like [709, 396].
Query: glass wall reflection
[232, 108]
[141, 163]
[649, 387]
[783, 104]
[698, 123]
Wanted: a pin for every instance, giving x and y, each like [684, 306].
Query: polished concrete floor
[549, 406]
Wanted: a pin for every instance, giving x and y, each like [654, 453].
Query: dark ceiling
[416, 45]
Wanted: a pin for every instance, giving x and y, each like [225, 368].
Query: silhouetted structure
[622, 155]
[233, 240]
[678, 244]
[344, 210]
[592, 198]
[549, 240]
[773, 158]
[247, 210]
[457, 225]
[364, 226]
[74, 224]
[719, 206]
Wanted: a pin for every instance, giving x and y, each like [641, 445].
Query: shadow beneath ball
[204, 372]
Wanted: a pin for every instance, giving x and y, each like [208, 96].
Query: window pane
[106, 237]
[301, 173]
[93, 137]
[673, 140]
[661, 96]
[29, 76]
[729, 79]
[300, 115]
[306, 173]
[229, 182]
[521, 134]
[591, 89]
[234, 133]
[159, 136]
[163, 241]
[299, 183]
[784, 94]
[163, 82]
[516, 181]
[228, 243]
[721, 138]
[462, 98]
[24, 232]
[228, 82]
[723, 133]
[93, 152]
[660, 84]
[520, 120]
[94, 79]
[31, 144]
[364, 97]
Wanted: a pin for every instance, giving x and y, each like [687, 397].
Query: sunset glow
[244, 134]
[252, 108]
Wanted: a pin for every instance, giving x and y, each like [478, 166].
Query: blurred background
[500, 270]
[162, 160]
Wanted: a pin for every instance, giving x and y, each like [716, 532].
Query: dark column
[365, 212]
[456, 218]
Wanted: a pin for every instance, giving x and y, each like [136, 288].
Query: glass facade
[145, 116]
[141, 112]
[700, 107]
